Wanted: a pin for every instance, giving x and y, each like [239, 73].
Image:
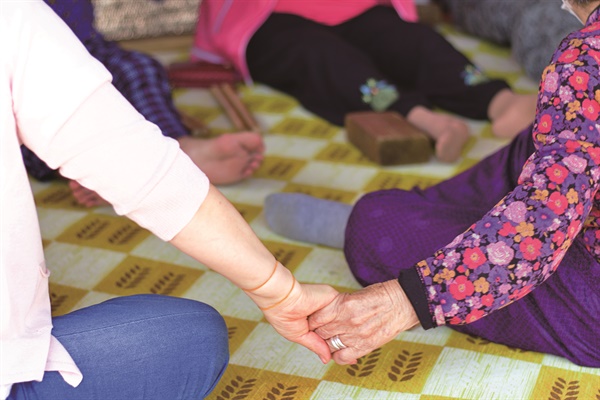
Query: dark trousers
[325, 66]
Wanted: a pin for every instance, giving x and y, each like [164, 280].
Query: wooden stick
[241, 109]
[229, 109]
[195, 125]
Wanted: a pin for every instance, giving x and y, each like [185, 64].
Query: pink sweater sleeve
[75, 120]
[109, 147]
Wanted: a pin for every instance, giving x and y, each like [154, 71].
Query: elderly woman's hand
[364, 320]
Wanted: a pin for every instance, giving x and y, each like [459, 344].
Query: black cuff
[410, 281]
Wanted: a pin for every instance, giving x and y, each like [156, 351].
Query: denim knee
[164, 347]
[201, 333]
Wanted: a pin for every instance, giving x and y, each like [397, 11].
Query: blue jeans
[138, 347]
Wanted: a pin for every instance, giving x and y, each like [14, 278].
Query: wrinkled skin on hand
[364, 320]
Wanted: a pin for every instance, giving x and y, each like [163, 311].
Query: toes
[449, 146]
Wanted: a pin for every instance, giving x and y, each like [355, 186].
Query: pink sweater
[58, 100]
[226, 26]
[326, 12]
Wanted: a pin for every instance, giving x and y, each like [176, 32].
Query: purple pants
[560, 317]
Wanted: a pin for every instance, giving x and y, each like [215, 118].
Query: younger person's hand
[290, 318]
[287, 304]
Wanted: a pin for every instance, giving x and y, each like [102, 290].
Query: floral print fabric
[518, 244]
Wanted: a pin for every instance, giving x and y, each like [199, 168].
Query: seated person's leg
[396, 47]
[143, 81]
[331, 77]
[163, 347]
[438, 71]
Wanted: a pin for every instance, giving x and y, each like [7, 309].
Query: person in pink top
[59, 102]
[337, 57]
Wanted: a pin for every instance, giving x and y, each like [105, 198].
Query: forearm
[220, 238]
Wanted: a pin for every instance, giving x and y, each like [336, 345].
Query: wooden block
[387, 138]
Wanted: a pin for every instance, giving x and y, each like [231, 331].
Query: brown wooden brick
[387, 138]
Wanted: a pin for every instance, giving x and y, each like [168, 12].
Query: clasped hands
[355, 324]
[344, 326]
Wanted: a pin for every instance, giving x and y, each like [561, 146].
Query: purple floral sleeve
[519, 243]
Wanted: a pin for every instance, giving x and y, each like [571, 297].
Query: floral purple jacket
[520, 243]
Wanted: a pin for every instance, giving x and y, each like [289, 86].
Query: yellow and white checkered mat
[95, 255]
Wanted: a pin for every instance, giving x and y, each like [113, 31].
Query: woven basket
[137, 19]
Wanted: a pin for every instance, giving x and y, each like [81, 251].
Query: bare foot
[510, 112]
[449, 133]
[85, 196]
[227, 158]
